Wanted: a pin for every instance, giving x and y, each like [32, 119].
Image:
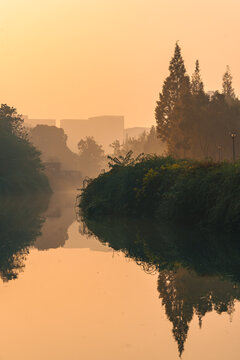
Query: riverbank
[186, 191]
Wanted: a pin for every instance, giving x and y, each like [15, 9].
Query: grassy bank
[185, 191]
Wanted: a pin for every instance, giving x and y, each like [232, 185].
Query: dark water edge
[20, 223]
[162, 245]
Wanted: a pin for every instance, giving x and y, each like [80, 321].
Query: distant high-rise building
[104, 129]
[34, 122]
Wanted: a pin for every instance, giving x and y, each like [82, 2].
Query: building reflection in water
[58, 218]
[20, 223]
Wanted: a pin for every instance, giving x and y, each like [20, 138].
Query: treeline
[52, 143]
[21, 169]
[146, 143]
[91, 158]
[189, 192]
[193, 123]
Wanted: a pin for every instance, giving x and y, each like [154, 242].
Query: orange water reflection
[86, 301]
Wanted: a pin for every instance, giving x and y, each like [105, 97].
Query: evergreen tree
[175, 86]
[227, 88]
[196, 83]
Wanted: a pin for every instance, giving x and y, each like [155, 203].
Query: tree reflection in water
[20, 224]
[184, 294]
[198, 272]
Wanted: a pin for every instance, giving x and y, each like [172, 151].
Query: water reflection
[198, 272]
[59, 216]
[184, 293]
[20, 224]
[37, 221]
[84, 240]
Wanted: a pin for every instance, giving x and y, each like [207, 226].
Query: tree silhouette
[227, 88]
[184, 294]
[197, 86]
[20, 163]
[175, 86]
[91, 156]
[20, 223]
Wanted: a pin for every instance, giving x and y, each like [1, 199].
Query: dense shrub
[180, 190]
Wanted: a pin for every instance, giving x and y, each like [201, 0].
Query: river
[73, 291]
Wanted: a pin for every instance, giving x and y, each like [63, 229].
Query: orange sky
[81, 58]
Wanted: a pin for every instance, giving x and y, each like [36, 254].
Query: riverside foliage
[191, 122]
[21, 167]
[186, 191]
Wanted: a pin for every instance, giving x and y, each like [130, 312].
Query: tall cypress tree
[227, 88]
[175, 86]
[197, 87]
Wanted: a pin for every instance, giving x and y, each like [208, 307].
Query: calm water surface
[76, 295]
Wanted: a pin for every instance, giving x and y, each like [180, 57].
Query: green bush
[162, 187]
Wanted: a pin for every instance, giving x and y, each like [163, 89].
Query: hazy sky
[81, 58]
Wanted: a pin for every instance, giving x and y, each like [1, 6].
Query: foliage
[192, 123]
[147, 143]
[189, 191]
[91, 156]
[52, 142]
[21, 167]
[116, 146]
[124, 160]
[11, 123]
[228, 90]
[176, 85]
[197, 86]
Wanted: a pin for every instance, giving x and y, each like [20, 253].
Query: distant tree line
[191, 122]
[91, 157]
[147, 143]
[52, 143]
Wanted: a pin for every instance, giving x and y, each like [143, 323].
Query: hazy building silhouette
[104, 129]
[134, 132]
[34, 122]
[86, 241]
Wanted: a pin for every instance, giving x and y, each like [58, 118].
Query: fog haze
[78, 59]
